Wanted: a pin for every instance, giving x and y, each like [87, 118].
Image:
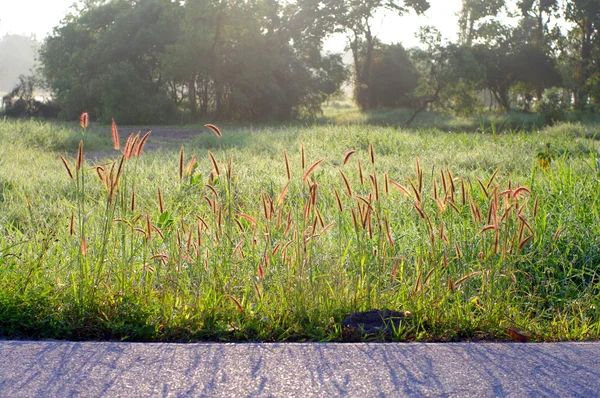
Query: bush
[553, 106]
[21, 101]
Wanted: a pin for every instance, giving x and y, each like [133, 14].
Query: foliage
[506, 65]
[553, 106]
[394, 77]
[263, 59]
[470, 16]
[21, 101]
[584, 39]
[86, 51]
[122, 84]
[450, 74]
[228, 59]
[355, 18]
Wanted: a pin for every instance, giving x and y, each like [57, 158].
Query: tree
[332, 75]
[450, 75]
[394, 77]
[191, 60]
[266, 76]
[356, 18]
[92, 51]
[471, 13]
[513, 58]
[540, 13]
[585, 39]
[259, 59]
[534, 30]
[22, 102]
[509, 64]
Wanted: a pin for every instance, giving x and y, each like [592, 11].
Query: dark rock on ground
[371, 324]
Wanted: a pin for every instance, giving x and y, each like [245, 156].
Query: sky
[39, 17]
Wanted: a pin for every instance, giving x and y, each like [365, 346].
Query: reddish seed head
[79, 157]
[115, 135]
[141, 143]
[66, 166]
[215, 129]
[84, 120]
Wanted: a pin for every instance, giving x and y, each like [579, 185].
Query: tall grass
[276, 234]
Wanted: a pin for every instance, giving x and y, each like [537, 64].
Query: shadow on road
[113, 369]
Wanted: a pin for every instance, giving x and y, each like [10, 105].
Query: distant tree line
[533, 62]
[148, 61]
[140, 61]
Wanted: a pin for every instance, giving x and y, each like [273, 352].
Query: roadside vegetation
[275, 233]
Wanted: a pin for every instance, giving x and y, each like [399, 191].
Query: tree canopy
[163, 60]
[235, 59]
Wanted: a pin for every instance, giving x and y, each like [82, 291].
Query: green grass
[345, 112]
[238, 260]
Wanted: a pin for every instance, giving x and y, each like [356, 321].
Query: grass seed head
[115, 135]
[348, 155]
[287, 166]
[214, 163]
[230, 169]
[346, 183]
[83, 247]
[128, 151]
[132, 201]
[66, 166]
[312, 168]
[189, 169]
[84, 120]
[214, 129]
[181, 158]
[141, 143]
[79, 158]
[161, 205]
[360, 174]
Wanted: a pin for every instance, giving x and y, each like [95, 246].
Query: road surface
[65, 369]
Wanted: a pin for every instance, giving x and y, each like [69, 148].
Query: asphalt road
[64, 369]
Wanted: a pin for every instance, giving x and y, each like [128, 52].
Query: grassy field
[275, 233]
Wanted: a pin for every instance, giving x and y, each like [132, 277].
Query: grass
[224, 240]
[345, 112]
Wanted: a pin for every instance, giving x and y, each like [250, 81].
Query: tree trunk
[502, 98]
[218, 101]
[423, 107]
[363, 69]
[192, 96]
[215, 66]
[367, 68]
[583, 70]
[204, 101]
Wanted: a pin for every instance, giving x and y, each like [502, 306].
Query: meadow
[276, 232]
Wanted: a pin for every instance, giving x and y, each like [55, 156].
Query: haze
[39, 17]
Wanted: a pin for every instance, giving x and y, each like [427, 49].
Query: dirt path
[163, 135]
[160, 138]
